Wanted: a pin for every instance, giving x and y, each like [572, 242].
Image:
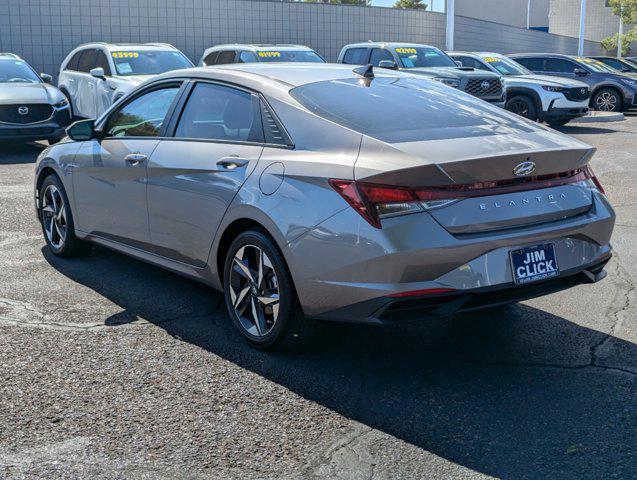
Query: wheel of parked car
[260, 294]
[523, 106]
[607, 100]
[57, 220]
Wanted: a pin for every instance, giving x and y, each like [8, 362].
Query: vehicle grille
[577, 94]
[37, 112]
[475, 87]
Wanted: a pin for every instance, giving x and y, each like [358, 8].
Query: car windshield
[306, 56]
[403, 109]
[422, 57]
[596, 66]
[148, 62]
[505, 66]
[17, 71]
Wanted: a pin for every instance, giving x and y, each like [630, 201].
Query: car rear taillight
[373, 201]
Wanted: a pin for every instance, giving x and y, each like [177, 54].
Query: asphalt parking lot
[111, 368]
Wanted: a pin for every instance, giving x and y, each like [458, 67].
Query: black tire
[290, 327]
[71, 246]
[607, 100]
[558, 122]
[523, 106]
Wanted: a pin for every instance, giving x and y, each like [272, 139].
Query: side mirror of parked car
[580, 71]
[98, 73]
[82, 130]
[388, 64]
[46, 77]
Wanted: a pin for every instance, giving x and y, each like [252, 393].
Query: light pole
[582, 28]
[528, 14]
[620, 37]
[451, 11]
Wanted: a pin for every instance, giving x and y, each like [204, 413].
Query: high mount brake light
[373, 201]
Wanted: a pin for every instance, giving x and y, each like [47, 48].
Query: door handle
[135, 158]
[232, 162]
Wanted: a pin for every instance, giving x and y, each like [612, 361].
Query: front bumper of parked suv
[51, 128]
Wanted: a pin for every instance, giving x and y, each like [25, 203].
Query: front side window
[225, 57]
[355, 56]
[148, 62]
[423, 57]
[101, 61]
[217, 112]
[534, 64]
[142, 117]
[247, 57]
[506, 66]
[304, 56]
[17, 71]
[380, 54]
[559, 65]
[211, 58]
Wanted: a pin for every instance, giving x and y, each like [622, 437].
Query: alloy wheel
[254, 290]
[606, 102]
[54, 216]
[520, 108]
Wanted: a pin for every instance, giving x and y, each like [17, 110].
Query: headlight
[549, 88]
[451, 82]
[61, 104]
[630, 82]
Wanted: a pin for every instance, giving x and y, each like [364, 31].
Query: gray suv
[427, 61]
[611, 90]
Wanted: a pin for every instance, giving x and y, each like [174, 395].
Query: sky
[435, 5]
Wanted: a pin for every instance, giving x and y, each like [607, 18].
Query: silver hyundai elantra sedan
[328, 192]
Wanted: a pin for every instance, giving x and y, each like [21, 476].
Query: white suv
[553, 100]
[96, 75]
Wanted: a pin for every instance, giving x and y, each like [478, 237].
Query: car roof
[10, 55]
[371, 44]
[543, 55]
[259, 47]
[128, 46]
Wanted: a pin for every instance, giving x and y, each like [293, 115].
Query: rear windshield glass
[17, 71]
[506, 66]
[420, 57]
[149, 62]
[289, 56]
[403, 109]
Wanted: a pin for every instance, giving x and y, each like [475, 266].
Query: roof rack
[158, 44]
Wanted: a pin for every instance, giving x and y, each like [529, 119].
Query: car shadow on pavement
[12, 153]
[584, 130]
[512, 393]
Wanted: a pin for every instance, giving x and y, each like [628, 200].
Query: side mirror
[82, 130]
[46, 77]
[98, 73]
[390, 64]
[580, 71]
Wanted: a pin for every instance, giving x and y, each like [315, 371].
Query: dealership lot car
[611, 91]
[427, 61]
[536, 97]
[237, 53]
[96, 75]
[30, 108]
[364, 195]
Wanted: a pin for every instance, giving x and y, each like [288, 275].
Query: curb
[600, 117]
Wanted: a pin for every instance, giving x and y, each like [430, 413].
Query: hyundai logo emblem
[523, 169]
[485, 85]
[23, 110]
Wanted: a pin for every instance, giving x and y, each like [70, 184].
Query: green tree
[627, 10]
[415, 4]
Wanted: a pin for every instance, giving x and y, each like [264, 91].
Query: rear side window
[75, 60]
[218, 112]
[402, 109]
[87, 61]
[143, 116]
[227, 56]
[211, 59]
[355, 56]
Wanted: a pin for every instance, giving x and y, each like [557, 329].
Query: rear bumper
[52, 128]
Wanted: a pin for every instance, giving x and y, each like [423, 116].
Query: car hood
[14, 93]
[545, 80]
[450, 72]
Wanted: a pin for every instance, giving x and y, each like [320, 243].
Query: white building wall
[507, 12]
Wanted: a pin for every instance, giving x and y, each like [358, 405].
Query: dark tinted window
[227, 56]
[142, 117]
[378, 55]
[87, 61]
[559, 65]
[402, 109]
[211, 59]
[533, 64]
[247, 57]
[470, 62]
[102, 61]
[75, 60]
[355, 56]
[217, 112]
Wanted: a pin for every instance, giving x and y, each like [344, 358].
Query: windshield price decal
[269, 54]
[491, 60]
[125, 55]
[406, 50]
